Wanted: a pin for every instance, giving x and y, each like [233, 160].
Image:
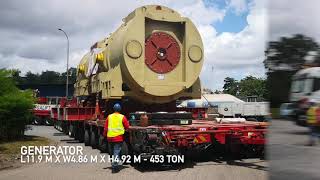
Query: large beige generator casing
[155, 56]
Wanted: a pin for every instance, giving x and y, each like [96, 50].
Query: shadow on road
[71, 141]
[251, 165]
[59, 134]
[191, 163]
[120, 167]
[306, 132]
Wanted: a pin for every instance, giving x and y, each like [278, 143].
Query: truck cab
[306, 85]
[305, 90]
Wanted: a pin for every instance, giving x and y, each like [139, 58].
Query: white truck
[305, 90]
[306, 85]
[230, 106]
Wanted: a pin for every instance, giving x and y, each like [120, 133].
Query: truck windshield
[316, 84]
[297, 85]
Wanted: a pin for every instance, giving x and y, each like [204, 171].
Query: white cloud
[289, 17]
[237, 54]
[239, 6]
[34, 43]
[201, 15]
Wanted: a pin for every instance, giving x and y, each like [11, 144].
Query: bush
[15, 107]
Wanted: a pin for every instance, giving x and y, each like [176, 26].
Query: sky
[288, 17]
[234, 33]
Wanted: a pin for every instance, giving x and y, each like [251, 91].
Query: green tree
[207, 91]
[231, 86]
[15, 107]
[15, 73]
[252, 86]
[217, 92]
[289, 52]
[32, 78]
[50, 77]
[72, 76]
[283, 58]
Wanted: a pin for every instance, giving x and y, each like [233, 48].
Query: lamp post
[67, 83]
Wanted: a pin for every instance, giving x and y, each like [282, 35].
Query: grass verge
[10, 151]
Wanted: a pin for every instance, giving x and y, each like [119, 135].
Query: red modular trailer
[42, 110]
[86, 125]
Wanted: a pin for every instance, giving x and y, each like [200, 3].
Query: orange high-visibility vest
[115, 126]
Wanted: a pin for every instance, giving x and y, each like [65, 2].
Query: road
[289, 155]
[248, 169]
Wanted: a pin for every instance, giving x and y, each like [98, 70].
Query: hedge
[15, 108]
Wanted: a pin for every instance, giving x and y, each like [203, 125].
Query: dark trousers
[114, 150]
[314, 133]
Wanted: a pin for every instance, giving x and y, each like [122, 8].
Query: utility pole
[67, 81]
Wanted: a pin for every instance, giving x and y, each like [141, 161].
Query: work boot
[115, 170]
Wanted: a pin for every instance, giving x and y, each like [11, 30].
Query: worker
[313, 121]
[114, 128]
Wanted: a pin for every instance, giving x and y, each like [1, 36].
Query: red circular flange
[162, 52]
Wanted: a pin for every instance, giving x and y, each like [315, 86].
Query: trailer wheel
[124, 149]
[56, 125]
[48, 121]
[76, 132]
[64, 127]
[59, 126]
[71, 130]
[80, 134]
[86, 137]
[37, 121]
[103, 145]
[94, 141]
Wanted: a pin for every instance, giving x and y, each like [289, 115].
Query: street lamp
[67, 83]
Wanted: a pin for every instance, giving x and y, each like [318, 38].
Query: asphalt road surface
[289, 155]
[248, 169]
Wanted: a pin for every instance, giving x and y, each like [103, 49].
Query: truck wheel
[71, 130]
[86, 138]
[124, 148]
[94, 141]
[103, 145]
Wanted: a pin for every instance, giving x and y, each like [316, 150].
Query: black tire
[94, 140]
[48, 122]
[86, 137]
[59, 126]
[37, 121]
[65, 128]
[71, 130]
[56, 125]
[80, 134]
[76, 132]
[103, 145]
